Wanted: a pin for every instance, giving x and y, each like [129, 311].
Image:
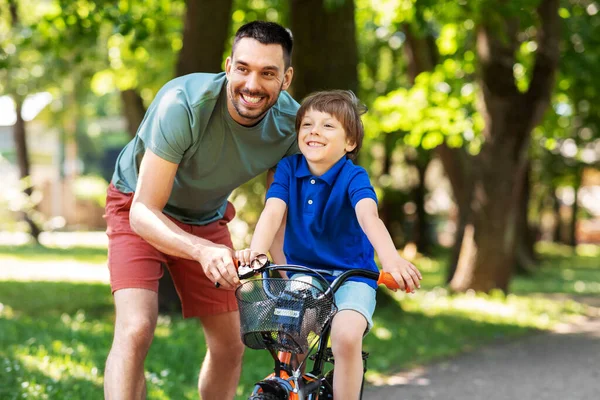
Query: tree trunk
[133, 110]
[557, 233]
[575, 208]
[325, 49]
[205, 32]
[525, 236]
[500, 166]
[458, 170]
[20, 138]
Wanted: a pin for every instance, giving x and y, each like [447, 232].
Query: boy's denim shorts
[357, 296]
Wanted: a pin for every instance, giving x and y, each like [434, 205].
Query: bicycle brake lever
[245, 272]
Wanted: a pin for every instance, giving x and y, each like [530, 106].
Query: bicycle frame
[288, 382]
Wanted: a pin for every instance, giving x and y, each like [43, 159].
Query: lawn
[54, 336]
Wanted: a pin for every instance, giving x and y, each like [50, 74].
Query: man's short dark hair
[267, 33]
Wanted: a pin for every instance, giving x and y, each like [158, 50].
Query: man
[203, 136]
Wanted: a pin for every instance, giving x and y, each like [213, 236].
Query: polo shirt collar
[328, 177]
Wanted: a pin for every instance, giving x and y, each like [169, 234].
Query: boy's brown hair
[344, 106]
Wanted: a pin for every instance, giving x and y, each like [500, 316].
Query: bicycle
[283, 316]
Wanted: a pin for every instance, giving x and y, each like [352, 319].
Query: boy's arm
[406, 274]
[268, 225]
[276, 249]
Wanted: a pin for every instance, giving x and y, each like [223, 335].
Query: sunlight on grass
[55, 336]
[523, 311]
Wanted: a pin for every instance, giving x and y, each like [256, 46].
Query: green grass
[33, 252]
[54, 336]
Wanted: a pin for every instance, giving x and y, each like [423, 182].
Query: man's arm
[154, 186]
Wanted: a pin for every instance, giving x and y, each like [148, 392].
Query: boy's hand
[405, 273]
[245, 256]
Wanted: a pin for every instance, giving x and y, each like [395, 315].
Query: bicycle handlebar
[381, 277]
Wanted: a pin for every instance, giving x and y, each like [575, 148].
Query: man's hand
[218, 265]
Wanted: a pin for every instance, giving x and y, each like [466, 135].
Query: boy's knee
[346, 342]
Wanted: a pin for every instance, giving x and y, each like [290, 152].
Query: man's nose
[252, 83]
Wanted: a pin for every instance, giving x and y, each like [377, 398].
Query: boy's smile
[322, 141]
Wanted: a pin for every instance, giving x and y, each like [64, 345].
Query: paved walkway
[563, 365]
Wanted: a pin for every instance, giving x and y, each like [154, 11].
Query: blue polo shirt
[322, 229]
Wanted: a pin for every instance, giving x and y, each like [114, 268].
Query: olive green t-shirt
[188, 124]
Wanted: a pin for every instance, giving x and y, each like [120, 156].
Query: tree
[440, 111]
[325, 49]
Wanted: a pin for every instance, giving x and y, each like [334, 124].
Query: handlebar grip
[385, 278]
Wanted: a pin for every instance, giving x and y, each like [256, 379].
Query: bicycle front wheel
[265, 396]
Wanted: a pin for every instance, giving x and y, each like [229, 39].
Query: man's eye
[241, 69]
[269, 74]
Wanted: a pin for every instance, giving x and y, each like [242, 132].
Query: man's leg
[220, 372]
[137, 311]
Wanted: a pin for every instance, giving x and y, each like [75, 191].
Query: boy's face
[256, 75]
[322, 140]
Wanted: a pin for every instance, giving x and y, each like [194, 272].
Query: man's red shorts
[134, 263]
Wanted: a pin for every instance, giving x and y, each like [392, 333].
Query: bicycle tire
[264, 396]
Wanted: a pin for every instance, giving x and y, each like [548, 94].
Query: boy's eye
[328, 126]
[306, 124]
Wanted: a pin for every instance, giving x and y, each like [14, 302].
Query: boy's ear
[350, 146]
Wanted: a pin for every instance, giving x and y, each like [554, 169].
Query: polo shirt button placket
[312, 181]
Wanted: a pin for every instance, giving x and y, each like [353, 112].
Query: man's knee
[135, 332]
[227, 350]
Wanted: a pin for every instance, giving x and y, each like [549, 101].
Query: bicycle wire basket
[281, 314]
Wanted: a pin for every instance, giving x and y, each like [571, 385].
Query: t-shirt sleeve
[166, 129]
[360, 187]
[294, 149]
[280, 188]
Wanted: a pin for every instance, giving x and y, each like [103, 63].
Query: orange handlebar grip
[388, 280]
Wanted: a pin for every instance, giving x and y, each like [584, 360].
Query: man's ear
[287, 78]
[227, 66]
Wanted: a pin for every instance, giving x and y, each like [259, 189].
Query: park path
[560, 365]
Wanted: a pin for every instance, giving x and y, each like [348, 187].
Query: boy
[332, 223]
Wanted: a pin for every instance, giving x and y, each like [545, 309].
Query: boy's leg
[347, 331]
[356, 304]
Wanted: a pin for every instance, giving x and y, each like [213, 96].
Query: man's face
[256, 75]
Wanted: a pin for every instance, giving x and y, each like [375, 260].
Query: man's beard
[251, 116]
